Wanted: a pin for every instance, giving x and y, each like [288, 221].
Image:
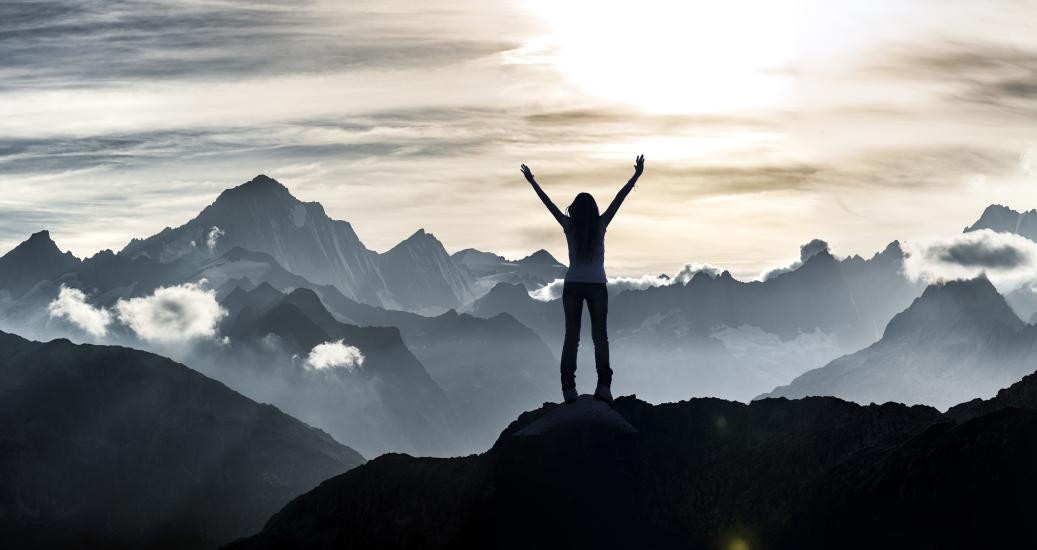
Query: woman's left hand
[528, 173]
[639, 165]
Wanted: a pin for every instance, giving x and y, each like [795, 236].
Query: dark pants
[597, 297]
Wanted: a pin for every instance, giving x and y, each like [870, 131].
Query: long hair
[585, 223]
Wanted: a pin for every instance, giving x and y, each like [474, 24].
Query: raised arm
[610, 212]
[562, 219]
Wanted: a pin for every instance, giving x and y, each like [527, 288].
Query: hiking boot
[603, 393]
[570, 395]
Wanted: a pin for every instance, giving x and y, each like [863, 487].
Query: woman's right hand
[528, 173]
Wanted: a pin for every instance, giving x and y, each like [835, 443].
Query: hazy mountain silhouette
[421, 274]
[722, 337]
[263, 216]
[109, 447]
[704, 473]
[491, 369]
[1005, 220]
[959, 340]
[852, 298]
[488, 269]
[389, 402]
[36, 259]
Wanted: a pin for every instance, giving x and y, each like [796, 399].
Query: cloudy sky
[765, 123]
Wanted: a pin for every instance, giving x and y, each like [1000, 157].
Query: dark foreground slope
[705, 473]
[109, 447]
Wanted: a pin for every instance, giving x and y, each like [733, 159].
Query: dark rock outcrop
[110, 447]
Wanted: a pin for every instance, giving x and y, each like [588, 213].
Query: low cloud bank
[72, 306]
[553, 290]
[330, 355]
[806, 251]
[1007, 259]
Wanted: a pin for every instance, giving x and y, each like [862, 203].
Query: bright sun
[676, 56]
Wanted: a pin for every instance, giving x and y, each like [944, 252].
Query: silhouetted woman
[585, 279]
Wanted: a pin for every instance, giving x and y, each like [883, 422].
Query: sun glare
[673, 56]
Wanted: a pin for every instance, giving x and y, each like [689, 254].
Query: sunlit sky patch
[765, 123]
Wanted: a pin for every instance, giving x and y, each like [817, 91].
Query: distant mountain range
[491, 369]
[110, 447]
[722, 337]
[387, 403]
[263, 216]
[705, 473]
[1005, 220]
[958, 341]
[532, 272]
[467, 347]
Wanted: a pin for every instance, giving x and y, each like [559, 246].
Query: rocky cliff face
[705, 473]
[109, 447]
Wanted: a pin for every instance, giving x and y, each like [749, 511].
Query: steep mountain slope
[104, 446]
[705, 473]
[959, 340]
[34, 260]
[263, 216]
[532, 272]
[385, 402]
[419, 272]
[491, 369]
[1005, 220]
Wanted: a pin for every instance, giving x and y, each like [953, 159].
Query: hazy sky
[764, 123]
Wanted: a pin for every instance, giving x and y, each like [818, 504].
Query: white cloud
[806, 251]
[619, 284]
[689, 270]
[1007, 259]
[553, 290]
[334, 355]
[71, 305]
[173, 314]
[548, 292]
[214, 235]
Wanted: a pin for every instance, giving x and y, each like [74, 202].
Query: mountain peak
[36, 259]
[419, 238]
[43, 235]
[263, 180]
[1001, 218]
[39, 241]
[261, 188]
[971, 304]
[540, 257]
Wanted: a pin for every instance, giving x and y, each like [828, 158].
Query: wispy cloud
[120, 118]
